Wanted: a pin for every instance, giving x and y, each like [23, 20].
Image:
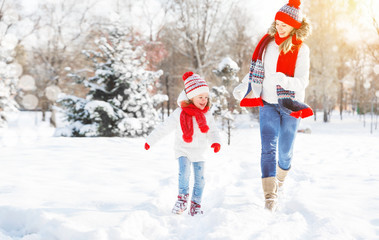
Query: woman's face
[201, 100]
[283, 29]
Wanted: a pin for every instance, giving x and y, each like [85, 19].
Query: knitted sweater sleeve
[301, 77]
[164, 128]
[213, 134]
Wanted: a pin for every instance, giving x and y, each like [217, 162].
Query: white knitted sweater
[196, 150]
[298, 83]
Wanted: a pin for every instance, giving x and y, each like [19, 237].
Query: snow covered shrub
[223, 103]
[10, 69]
[118, 102]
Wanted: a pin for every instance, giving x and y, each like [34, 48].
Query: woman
[277, 80]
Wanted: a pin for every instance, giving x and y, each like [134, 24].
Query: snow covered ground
[111, 188]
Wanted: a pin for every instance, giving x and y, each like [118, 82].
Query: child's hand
[147, 146]
[216, 147]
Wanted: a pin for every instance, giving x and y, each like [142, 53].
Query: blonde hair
[301, 34]
[188, 102]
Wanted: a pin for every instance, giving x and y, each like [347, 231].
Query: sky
[264, 13]
[108, 8]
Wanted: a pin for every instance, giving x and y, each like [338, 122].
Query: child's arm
[213, 135]
[163, 129]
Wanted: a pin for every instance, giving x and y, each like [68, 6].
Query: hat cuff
[281, 16]
[197, 91]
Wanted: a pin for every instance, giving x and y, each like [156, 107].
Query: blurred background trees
[342, 45]
[42, 42]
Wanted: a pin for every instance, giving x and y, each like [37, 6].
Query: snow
[228, 62]
[111, 188]
[159, 98]
[93, 106]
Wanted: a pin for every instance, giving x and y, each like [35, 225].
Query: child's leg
[198, 169]
[184, 175]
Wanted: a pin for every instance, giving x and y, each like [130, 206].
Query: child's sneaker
[195, 209]
[181, 204]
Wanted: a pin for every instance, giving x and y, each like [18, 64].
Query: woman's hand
[272, 80]
[240, 91]
[280, 78]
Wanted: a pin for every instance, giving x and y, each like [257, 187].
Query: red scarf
[287, 62]
[186, 120]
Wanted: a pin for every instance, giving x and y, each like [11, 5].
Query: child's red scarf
[186, 122]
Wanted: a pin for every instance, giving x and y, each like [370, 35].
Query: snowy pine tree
[219, 96]
[10, 70]
[8, 82]
[223, 103]
[118, 102]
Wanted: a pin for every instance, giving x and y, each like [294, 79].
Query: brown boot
[281, 175]
[270, 190]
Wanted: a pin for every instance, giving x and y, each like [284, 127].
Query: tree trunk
[326, 107]
[168, 94]
[44, 108]
[229, 132]
[162, 111]
[341, 100]
[325, 115]
[53, 118]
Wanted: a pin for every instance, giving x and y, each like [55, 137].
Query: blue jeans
[184, 177]
[278, 132]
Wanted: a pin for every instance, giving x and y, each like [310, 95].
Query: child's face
[201, 100]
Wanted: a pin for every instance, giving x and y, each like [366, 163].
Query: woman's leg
[287, 134]
[198, 169]
[184, 175]
[269, 121]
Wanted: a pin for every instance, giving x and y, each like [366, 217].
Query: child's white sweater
[201, 143]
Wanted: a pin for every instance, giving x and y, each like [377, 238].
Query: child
[193, 125]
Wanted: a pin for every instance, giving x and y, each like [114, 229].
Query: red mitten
[147, 146]
[251, 102]
[216, 147]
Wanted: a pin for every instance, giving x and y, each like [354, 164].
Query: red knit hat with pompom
[194, 85]
[290, 14]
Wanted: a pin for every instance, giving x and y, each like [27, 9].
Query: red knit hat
[290, 14]
[194, 85]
